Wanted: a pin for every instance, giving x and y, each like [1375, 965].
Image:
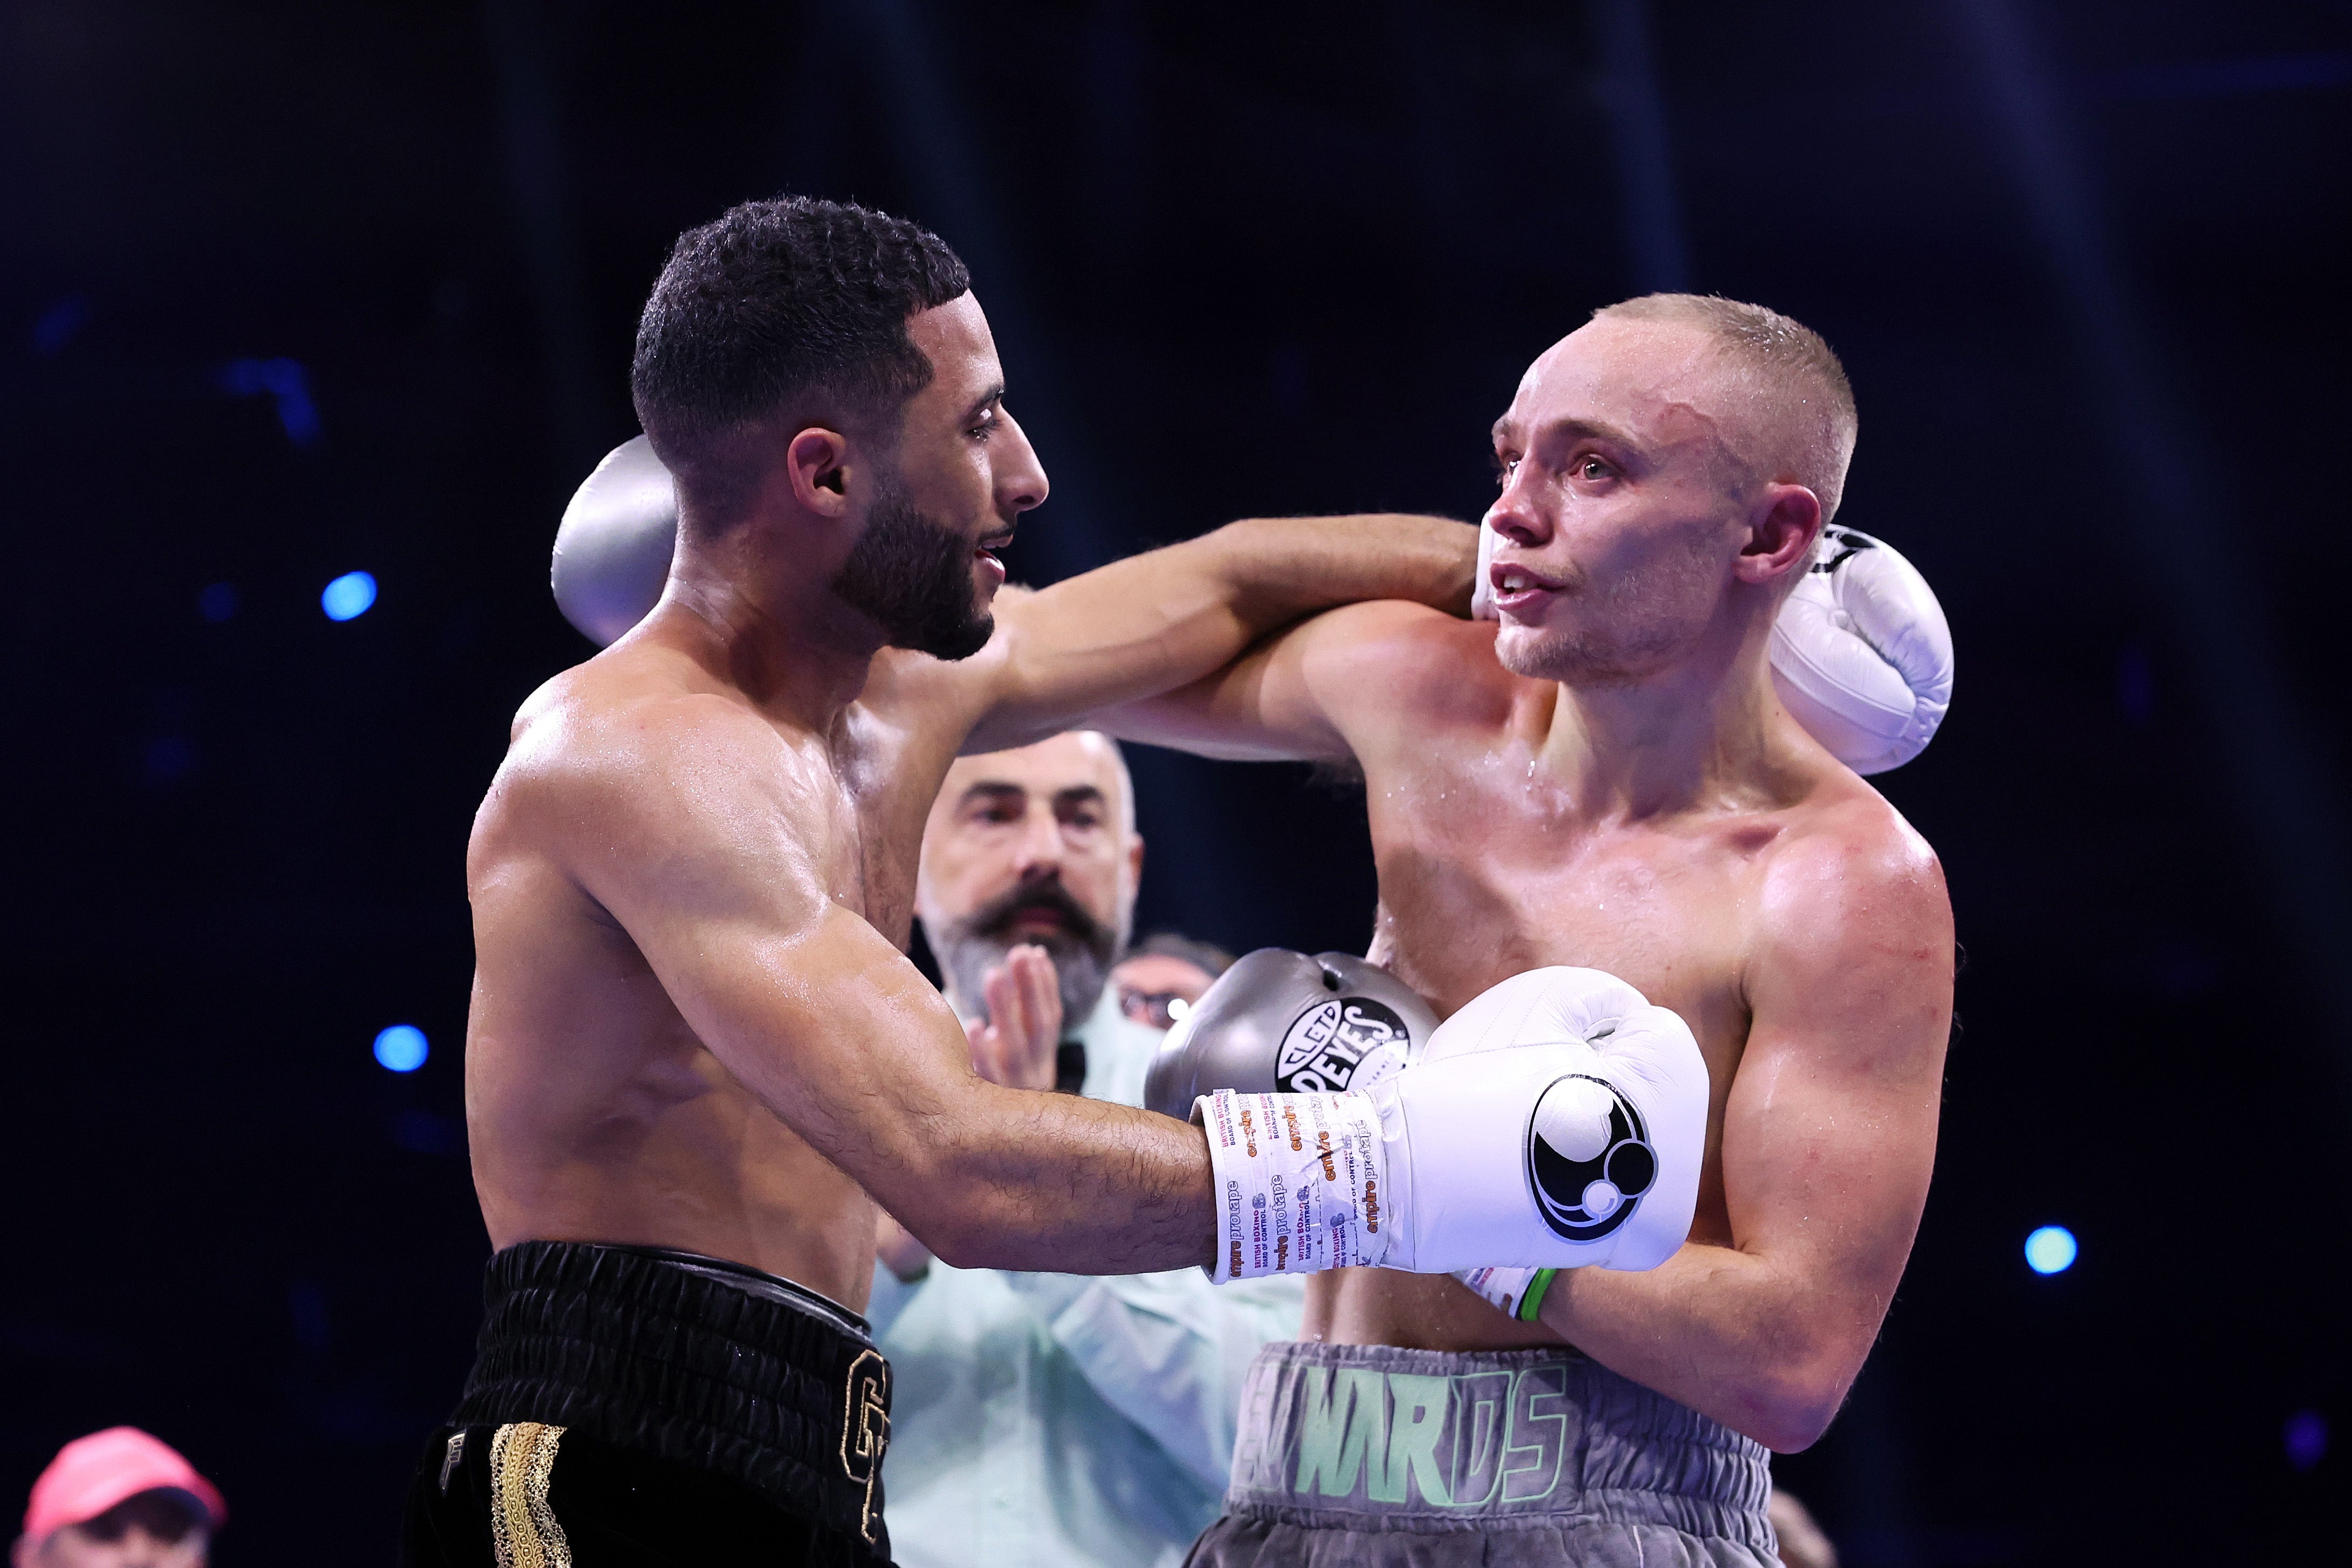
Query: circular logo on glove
[1589, 1157]
[1346, 1042]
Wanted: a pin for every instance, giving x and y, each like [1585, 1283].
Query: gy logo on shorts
[1346, 1042]
[865, 1430]
[1589, 1157]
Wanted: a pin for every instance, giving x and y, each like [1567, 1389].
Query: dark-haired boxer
[1609, 778]
[697, 1057]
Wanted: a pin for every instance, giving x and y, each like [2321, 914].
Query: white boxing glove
[1482, 587]
[1862, 655]
[1558, 1121]
[1611, 1134]
[614, 547]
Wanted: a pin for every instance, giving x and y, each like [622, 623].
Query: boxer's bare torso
[1639, 802]
[1783, 889]
[1489, 868]
[597, 1113]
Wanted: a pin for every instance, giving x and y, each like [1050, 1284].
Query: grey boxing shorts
[1368, 1455]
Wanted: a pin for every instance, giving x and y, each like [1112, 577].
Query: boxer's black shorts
[633, 1406]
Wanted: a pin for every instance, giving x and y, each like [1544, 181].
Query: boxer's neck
[780, 636]
[1692, 735]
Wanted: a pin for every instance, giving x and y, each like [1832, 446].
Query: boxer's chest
[1480, 881]
[883, 784]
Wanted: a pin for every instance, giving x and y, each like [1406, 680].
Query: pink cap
[92, 1474]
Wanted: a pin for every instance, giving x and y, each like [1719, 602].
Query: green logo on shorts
[1473, 1439]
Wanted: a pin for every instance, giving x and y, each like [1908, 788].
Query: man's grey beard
[1082, 956]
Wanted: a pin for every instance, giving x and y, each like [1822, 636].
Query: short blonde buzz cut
[1806, 422]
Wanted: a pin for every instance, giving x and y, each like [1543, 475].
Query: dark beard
[1083, 955]
[913, 575]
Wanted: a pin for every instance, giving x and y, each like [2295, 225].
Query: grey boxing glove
[613, 549]
[1281, 1022]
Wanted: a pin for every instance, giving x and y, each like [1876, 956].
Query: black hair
[776, 299]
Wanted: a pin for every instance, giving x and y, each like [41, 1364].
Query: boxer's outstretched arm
[697, 827]
[1317, 689]
[1154, 621]
[1829, 1137]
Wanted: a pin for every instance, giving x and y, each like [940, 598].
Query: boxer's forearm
[1279, 570]
[1725, 1332]
[1036, 1181]
[1130, 631]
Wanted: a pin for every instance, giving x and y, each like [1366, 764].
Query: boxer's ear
[1780, 534]
[816, 461]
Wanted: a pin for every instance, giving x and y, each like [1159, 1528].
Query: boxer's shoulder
[611, 731]
[1845, 827]
[650, 738]
[1848, 876]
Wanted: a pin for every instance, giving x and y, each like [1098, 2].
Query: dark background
[2085, 263]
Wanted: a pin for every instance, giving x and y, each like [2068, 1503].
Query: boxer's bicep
[1829, 1131]
[833, 1030]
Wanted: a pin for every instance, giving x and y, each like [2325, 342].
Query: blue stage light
[401, 1048]
[58, 324]
[2050, 1251]
[218, 602]
[348, 596]
[2307, 1440]
[286, 382]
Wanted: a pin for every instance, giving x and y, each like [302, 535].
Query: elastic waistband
[1375, 1438]
[752, 1281]
[696, 1360]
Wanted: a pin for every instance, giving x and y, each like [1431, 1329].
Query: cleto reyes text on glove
[1281, 1021]
[1557, 1121]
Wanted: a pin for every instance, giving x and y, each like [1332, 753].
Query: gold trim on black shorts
[523, 1530]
